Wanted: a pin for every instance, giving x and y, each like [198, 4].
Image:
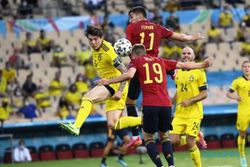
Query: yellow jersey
[225, 19]
[189, 83]
[43, 99]
[9, 74]
[56, 88]
[5, 112]
[242, 86]
[104, 61]
[3, 85]
[43, 41]
[214, 33]
[82, 87]
[73, 98]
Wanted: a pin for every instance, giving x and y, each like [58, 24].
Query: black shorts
[134, 89]
[156, 118]
[111, 90]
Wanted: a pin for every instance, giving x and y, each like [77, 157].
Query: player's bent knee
[175, 140]
[164, 137]
[111, 125]
[148, 136]
[86, 98]
[130, 101]
[243, 134]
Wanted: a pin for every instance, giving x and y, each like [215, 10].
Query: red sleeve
[165, 33]
[129, 32]
[170, 64]
[133, 63]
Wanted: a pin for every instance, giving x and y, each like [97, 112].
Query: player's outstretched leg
[125, 122]
[123, 135]
[82, 115]
[108, 146]
[241, 140]
[194, 151]
[167, 149]
[152, 150]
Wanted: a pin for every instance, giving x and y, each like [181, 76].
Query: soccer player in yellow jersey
[107, 65]
[191, 88]
[240, 91]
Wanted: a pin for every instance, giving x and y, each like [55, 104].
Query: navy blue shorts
[157, 118]
[134, 89]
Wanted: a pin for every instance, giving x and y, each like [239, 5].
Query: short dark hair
[246, 61]
[138, 9]
[138, 49]
[92, 30]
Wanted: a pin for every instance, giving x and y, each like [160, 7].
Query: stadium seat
[47, 153]
[7, 158]
[63, 151]
[96, 149]
[228, 140]
[212, 142]
[33, 152]
[80, 150]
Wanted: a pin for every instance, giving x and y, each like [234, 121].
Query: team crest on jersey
[95, 63]
[191, 78]
[99, 57]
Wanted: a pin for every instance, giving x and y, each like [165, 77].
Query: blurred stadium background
[46, 76]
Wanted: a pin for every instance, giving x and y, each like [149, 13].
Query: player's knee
[191, 142]
[111, 135]
[130, 101]
[148, 136]
[243, 134]
[164, 137]
[174, 139]
[86, 98]
[111, 125]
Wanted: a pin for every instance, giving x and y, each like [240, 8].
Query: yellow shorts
[112, 104]
[243, 122]
[183, 126]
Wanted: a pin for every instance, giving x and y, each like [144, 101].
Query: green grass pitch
[210, 158]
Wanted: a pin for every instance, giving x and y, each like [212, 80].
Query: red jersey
[151, 72]
[149, 34]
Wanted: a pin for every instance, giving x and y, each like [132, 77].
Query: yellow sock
[83, 112]
[183, 140]
[125, 122]
[196, 156]
[241, 145]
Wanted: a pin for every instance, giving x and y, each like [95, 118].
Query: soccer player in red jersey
[142, 31]
[151, 72]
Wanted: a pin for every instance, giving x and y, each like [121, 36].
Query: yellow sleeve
[202, 81]
[114, 58]
[234, 85]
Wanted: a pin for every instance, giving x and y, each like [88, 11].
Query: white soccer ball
[123, 47]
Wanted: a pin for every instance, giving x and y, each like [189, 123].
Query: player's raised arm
[124, 77]
[192, 65]
[185, 37]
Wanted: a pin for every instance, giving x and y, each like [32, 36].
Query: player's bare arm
[173, 100]
[231, 94]
[124, 77]
[186, 38]
[201, 96]
[192, 65]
